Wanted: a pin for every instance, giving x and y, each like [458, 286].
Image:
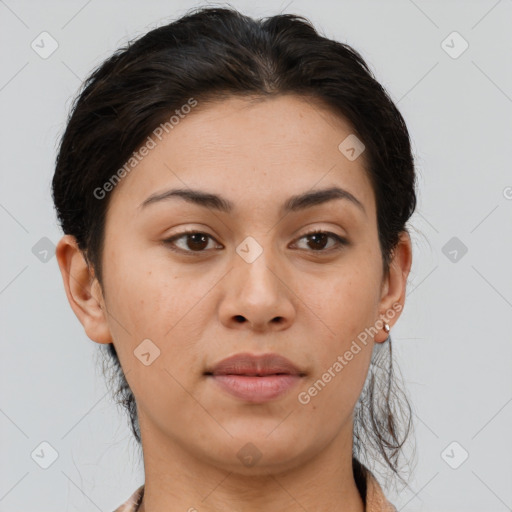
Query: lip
[253, 365]
[255, 378]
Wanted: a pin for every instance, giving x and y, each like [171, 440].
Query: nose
[258, 295]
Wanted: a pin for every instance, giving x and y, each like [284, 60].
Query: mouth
[255, 379]
[251, 374]
[255, 388]
[255, 365]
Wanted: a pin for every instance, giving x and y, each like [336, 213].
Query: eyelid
[340, 241]
[170, 240]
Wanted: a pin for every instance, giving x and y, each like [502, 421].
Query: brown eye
[190, 241]
[318, 240]
[197, 242]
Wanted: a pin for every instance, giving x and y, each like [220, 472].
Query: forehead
[250, 148]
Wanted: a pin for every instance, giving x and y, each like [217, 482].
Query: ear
[83, 290]
[394, 285]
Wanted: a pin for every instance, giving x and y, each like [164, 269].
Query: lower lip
[256, 389]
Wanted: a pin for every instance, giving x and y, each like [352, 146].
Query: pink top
[375, 499]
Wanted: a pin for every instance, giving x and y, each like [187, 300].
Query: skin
[256, 154]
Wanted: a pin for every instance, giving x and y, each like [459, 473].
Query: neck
[177, 480]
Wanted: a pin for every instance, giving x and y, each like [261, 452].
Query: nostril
[239, 318]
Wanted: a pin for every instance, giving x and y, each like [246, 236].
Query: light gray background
[453, 341]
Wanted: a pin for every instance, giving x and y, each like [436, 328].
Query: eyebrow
[293, 204]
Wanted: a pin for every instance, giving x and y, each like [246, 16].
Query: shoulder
[376, 501]
[133, 501]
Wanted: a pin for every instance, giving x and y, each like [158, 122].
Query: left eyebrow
[293, 204]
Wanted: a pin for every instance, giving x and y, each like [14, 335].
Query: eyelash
[341, 242]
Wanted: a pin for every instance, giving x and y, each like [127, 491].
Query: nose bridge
[255, 259]
[255, 294]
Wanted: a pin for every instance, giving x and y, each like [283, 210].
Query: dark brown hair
[209, 54]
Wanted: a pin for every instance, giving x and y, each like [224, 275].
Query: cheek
[347, 303]
[155, 304]
[346, 307]
[152, 299]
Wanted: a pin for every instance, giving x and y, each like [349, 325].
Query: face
[249, 278]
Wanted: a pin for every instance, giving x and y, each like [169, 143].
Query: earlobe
[83, 290]
[394, 289]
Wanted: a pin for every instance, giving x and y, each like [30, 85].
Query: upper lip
[249, 364]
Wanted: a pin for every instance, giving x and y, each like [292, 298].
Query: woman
[234, 195]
